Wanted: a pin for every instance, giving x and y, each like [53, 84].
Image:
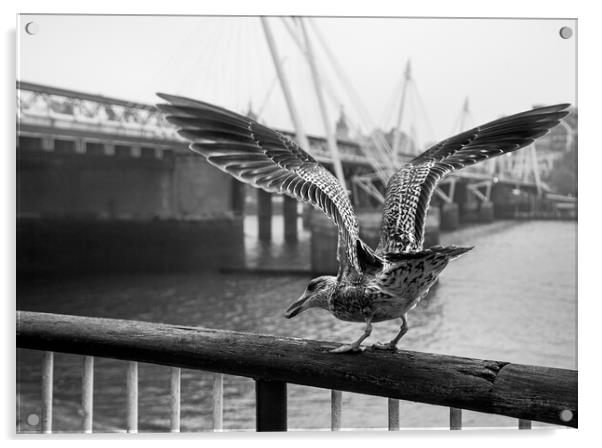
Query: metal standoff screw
[566, 415]
[33, 419]
[566, 32]
[32, 28]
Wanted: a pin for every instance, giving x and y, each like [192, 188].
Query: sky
[502, 66]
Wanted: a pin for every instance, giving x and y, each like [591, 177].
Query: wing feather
[266, 159]
[410, 189]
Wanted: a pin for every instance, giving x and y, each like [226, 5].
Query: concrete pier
[324, 236]
[289, 211]
[478, 212]
[431, 229]
[449, 216]
[370, 227]
[485, 212]
[72, 246]
[306, 215]
[264, 215]
[237, 197]
[324, 239]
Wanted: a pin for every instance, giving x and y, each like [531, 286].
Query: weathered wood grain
[520, 391]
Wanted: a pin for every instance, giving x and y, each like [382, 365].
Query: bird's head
[316, 295]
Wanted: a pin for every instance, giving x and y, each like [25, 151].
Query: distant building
[406, 142]
[251, 113]
[342, 128]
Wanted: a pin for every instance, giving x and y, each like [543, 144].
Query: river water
[512, 298]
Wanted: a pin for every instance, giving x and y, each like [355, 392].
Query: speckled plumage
[371, 286]
[402, 224]
[403, 280]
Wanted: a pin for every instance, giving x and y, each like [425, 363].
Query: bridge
[111, 162]
[81, 121]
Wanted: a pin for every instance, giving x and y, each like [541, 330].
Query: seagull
[372, 285]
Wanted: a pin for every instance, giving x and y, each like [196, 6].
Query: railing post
[289, 213]
[455, 418]
[393, 414]
[87, 394]
[47, 384]
[336, 399]
[174, 391]
[270, 405]
[132, 396]
[218, 402]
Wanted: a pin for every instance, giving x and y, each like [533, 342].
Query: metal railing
[525, 392]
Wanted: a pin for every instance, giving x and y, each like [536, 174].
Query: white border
[589, 161]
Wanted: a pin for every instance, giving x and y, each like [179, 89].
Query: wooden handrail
[526, 392]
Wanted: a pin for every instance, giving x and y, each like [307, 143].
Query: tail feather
[456, 251]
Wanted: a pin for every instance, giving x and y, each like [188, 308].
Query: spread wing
[409, 191]
[266, 159]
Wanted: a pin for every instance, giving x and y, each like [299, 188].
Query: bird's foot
[388, 346]
[348, 348]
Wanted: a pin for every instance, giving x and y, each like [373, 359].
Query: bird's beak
[297, 306]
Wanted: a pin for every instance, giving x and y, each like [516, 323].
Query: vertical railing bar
[218, 402]
[270, 405]
[132, 396]
[524, 424]
[175, 393]
[87, 394]
[47, 384]
[455, 418]
[393, 414]
[336, 399]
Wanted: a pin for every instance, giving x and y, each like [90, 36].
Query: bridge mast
[300, 132]
[464, 115]
[330, 138]
[397, 133]
[535, 167]
[289, 204]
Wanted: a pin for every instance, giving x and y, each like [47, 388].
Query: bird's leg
[355, 347]
[392, 345]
